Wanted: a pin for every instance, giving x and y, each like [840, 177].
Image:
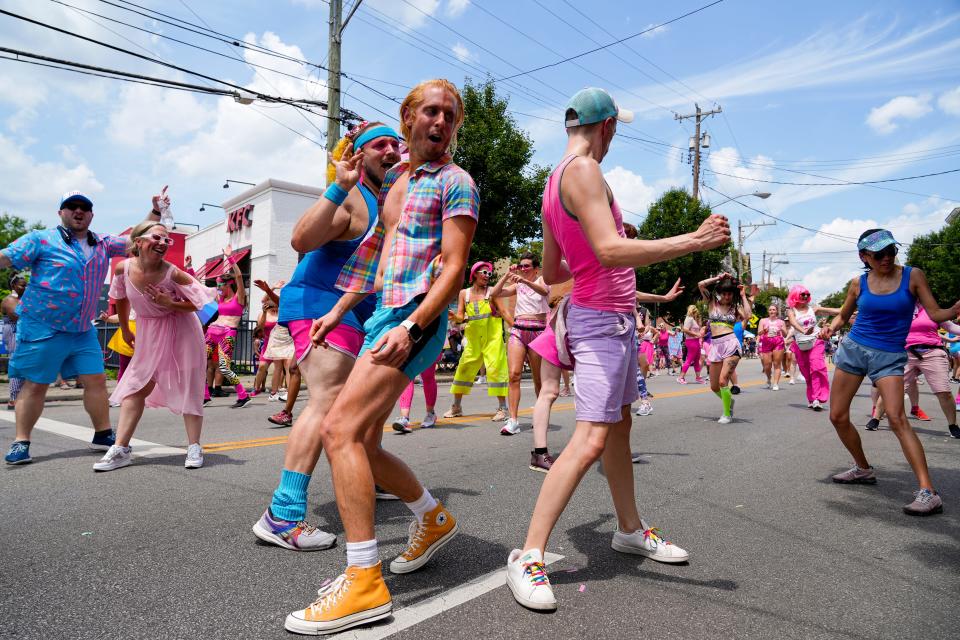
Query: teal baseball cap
[595, 105]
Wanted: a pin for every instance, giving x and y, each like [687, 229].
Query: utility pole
[697, 141]
[740, 239]
[337, 25]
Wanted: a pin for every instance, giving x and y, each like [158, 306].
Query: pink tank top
[231, 307]
[594, 286]
[923, 330]
[529, 302]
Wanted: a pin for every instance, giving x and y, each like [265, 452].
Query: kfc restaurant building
[258, 224]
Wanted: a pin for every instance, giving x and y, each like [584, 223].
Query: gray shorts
[856, 359]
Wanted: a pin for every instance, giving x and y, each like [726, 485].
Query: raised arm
[325, 220]
[920, 289]
[268, 290]
[237, 276]
[501, 289]
[669, 296]
[704, 286]
[746, 308]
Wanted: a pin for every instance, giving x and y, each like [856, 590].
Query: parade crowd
[378, 297]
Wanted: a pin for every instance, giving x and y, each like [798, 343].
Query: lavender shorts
[723, 347]
[604, 347]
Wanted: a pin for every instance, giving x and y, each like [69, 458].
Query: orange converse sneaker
[356, 597]
[425, 539]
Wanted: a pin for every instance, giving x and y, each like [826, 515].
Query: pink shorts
[723, 347]
[344, 339]
[546, 347]
[769, 345]
[646, 349]
[935, 367]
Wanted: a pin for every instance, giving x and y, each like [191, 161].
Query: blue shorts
[856, 359]
[425, 352]
[42, 353]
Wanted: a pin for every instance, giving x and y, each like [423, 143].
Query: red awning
[219, 266]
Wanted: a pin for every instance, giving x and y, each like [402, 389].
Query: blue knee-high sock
[290, 499]
[642, 385]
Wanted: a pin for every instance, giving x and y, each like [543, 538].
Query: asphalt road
[777, 550]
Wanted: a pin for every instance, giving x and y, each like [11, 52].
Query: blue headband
[375, 132]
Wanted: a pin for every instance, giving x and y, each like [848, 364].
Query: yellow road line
[465, 419]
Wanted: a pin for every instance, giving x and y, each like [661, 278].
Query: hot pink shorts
[344, 339]
[646, 349]
[546, 347]
[769, 345]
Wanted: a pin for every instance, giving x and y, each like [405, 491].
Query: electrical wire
[835, 184]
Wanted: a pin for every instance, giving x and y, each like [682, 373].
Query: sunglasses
[887, 252]
[73, 205]
[156, 237]
[484, 272]
[526, 267]
[804, 296]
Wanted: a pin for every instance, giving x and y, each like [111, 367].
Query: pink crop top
[231, 307]
[594, 286]
[529, 302]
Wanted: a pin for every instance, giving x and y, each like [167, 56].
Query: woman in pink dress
[168, 368]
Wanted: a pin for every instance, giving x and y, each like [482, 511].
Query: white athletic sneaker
[776, 387]
[725, 419]
[194, 457]
[649, 542]
[792, 381]
[429, 420]
[816, 406]
[527, 579]
[282, 394]
[510, 428]
[273, 397]
[644, 408]
[115, 457]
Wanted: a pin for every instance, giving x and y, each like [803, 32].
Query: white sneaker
[649, 542]
[792, 381]
[725, 419]
[429, 420]
[194, 457]
[273, 397]
[776, 387]
[482, 380]
[282, 394]
[510, 428]
[644, 408]
[527, 579]
[816, 406]
[115, 457]
[801, 378]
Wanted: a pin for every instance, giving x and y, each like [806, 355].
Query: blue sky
[851, 91]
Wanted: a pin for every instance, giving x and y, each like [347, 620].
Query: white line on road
[416, 613]
[141, 448]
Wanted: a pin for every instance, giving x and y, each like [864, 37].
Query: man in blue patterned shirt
[55, 333]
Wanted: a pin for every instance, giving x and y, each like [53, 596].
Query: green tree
[497, 155]
[673, 214]
[11, 228]
[836, 298]
[936, 254]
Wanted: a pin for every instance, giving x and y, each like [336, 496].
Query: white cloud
[631, 191]
[741, 177]
[659, 31]
[881, 119]
[460, 50]
[150, 115]
[456, 7]
[30, 187]
[949, 102]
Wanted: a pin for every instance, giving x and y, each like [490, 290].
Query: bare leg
[767, 360]
[260, 381]
[776, 366]
[293, 384]
[948, 407]
[842, 391]
[618, 467]
[131, 410]
[193, 425]
[534, 359]
[516, 354]
[29, 406]
[549, 390]
[891, 388]
[277, 378]
[95, 400]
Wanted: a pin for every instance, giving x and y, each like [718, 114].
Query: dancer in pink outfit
[168, 368]
[807, 345]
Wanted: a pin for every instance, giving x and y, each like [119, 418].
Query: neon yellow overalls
[485, 346]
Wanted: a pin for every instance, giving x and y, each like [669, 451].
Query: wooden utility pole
[741, 238]
[333, 75]
[696, 142]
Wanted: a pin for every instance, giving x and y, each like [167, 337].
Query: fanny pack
[920, 350]
[805, 342]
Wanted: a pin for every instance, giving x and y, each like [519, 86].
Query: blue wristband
[335, 194]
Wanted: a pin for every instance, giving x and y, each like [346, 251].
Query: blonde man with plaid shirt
[428, 207]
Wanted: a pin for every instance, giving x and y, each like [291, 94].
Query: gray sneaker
[856, 475]
[925, 503]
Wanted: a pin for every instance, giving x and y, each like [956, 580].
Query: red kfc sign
[239, 218]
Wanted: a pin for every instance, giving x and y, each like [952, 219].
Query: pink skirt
[646, 349]
[545, 345]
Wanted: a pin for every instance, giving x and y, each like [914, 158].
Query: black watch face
[416, 333]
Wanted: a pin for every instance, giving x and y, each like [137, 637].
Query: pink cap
[477, 265]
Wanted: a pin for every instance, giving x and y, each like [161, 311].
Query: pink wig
[478, 265]
[793, 298]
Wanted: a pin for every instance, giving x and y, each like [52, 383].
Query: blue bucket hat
[877, 241]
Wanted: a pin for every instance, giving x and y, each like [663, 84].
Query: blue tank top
[311, 292]
[883, 321]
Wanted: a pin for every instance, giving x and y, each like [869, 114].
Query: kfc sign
[239, 218]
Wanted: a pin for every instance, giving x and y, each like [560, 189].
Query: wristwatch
[416, 333]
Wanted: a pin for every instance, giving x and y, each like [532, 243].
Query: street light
[226, 185]
[204, 205]
[763, 195]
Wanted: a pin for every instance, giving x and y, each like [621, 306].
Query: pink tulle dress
[169, 348]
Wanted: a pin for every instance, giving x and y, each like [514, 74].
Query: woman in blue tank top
[884, 298]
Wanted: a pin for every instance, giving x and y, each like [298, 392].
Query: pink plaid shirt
[436, 192]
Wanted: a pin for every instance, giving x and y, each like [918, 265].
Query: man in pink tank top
[583, 238]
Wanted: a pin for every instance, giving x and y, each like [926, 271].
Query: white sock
[422, 505]
[362, 554]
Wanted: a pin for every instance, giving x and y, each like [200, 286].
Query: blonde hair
[140, 230]
[416, 97]
[693, 312]
[344, 145]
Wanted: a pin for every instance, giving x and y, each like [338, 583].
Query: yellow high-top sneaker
[425, 539]
[358, 596]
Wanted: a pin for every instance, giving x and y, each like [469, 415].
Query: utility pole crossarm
[699, 115]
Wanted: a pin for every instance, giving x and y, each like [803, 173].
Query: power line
[835, 184]
[607, 46]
